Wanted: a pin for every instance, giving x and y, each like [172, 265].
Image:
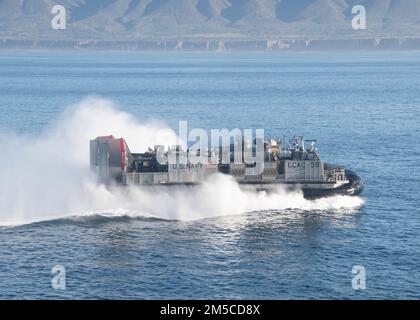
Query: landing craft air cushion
[285, 163]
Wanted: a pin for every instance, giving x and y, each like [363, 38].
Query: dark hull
[353, 188]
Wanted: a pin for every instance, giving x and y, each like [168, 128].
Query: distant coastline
[220, 45]
[207, 25]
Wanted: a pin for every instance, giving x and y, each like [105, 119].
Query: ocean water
[214, 241]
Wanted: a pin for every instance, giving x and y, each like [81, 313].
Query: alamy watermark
[359, 20]
[58, 282]
[58, 22]
[358, 281]
[223, 146]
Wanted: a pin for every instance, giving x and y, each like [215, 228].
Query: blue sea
[215, 242]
